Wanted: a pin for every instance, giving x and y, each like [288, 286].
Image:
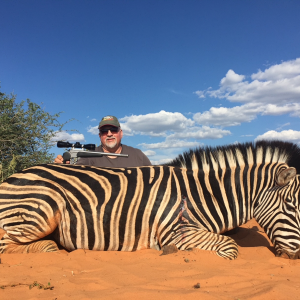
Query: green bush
[26, 131]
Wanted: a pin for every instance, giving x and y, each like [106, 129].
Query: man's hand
[59, 159]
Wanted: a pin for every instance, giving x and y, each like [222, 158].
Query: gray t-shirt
[136, 158]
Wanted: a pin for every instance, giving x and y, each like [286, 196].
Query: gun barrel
[95, 154]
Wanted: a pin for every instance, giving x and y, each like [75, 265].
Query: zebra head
[278, 212]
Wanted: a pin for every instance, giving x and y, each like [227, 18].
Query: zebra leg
[27, 237]
[10, 245]
[27, 226]
[187, 237]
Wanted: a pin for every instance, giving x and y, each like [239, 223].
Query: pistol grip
[66, 157]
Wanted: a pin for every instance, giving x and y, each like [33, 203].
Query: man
[111, 134]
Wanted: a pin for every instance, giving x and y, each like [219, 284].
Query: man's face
[110, 137]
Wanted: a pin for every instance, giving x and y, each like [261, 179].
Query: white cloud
[275, 110]
[65, 136]
[201, 94]
[186, 139]
[197, 133]
[149, 152]
[93, 130]
[287, 69]
[127, 131]
[170, 144]
[232, 78]
[93, 120]
[279, 84]
[223, 116]
[155, 124]
[276, 92]
[285, 135]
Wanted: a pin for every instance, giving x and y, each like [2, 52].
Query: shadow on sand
[250, 237]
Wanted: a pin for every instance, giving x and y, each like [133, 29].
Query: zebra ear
[285, 176]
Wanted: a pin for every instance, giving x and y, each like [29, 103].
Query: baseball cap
[109, 120]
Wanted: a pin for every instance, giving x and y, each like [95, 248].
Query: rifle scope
[76, 145]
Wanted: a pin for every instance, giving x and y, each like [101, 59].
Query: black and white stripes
[188, 203]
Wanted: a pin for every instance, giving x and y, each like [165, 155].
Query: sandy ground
[255, 274]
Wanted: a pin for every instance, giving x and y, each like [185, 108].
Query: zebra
[188, 203]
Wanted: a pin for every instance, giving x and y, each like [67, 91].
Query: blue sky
[177, 74]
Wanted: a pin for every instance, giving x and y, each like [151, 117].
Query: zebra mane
[238, 155]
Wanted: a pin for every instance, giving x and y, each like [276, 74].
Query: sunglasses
[111, 129]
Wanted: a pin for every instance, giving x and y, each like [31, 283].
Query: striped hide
[189, 202]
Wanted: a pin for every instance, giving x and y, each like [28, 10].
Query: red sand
[255, 274]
